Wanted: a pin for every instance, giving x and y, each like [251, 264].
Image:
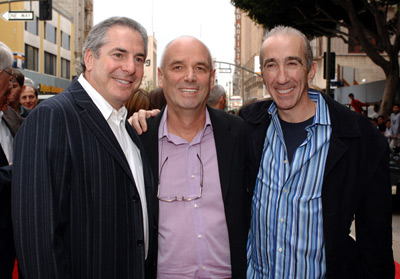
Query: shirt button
[284, 190]
[280, 250]
[286, 161]
[203, 267]
[192, 176]
[282, 220]
[196, 206]
[199, 236]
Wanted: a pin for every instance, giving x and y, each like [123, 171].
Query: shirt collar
[321, 112]
[105, 108]
[163, 132]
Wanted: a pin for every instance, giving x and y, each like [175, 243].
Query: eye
[177, 68]
[139, 59]
[293, 64]
[200, 69]
[271, 66]
[118, 55]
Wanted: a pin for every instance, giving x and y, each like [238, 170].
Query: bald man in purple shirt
[197, 154]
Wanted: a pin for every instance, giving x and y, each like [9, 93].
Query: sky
[211, 21]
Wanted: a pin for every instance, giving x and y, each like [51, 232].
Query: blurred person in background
[14, 97]
[139, 100]
[29, 97]
[217, 98]
[157, 99]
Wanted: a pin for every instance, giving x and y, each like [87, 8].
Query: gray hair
[215, 94]
[185, 36]
[286, 30]
[97, 35]
[6, 57]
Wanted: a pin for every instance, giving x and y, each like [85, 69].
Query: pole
[328, 67]
[242, 87]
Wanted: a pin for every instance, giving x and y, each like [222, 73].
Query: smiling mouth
[284, 91]
[123, 81]
[189, 90]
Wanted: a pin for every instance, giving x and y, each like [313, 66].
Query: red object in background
[397, 276]
[15, 272]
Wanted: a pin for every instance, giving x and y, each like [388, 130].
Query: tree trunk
[391, 90]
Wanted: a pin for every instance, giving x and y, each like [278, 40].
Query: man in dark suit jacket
[186, 76]
[9, 123]
[354, 183]
[82, 185]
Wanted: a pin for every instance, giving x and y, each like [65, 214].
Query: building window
[31, 58]
[50, 32]
[65, 40]
[65, 68]
[49, 64]
[32, 26]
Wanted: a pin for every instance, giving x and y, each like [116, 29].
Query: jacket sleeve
[40, 195]
[373, 218]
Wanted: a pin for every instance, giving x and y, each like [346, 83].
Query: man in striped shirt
[313, 165]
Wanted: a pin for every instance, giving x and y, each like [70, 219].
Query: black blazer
[229, 140]
[356, 182]
[75, 207]
[7, 256]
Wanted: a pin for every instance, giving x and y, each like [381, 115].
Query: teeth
[189, 90]
[122, 81]
[285, 91]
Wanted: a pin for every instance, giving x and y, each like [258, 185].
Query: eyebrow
[174, 62]
[125, 51]
[298, 59]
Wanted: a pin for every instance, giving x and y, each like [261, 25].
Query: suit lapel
[95, 121]
[224, 143]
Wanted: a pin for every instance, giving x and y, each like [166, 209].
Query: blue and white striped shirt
[286, 235]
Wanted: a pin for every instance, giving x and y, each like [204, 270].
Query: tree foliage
[374, 24]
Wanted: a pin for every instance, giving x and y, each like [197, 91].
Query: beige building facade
[149, 81]
[48, 52]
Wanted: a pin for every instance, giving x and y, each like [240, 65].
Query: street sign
[18, 15]
[225, 70]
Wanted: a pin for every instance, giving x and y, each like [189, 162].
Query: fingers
[138, 119]
[134, 121]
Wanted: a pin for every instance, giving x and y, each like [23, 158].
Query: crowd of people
[187, 190]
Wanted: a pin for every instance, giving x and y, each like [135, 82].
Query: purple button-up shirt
[193, 236]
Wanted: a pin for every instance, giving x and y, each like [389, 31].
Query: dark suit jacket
[356, 182]
[7, 255]
[229, 140]
[75, 207]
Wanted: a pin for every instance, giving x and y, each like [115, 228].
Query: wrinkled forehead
[187, 50]
[283, 46]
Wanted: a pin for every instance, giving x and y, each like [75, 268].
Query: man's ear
[88, 58]
[160, 77]
[312, 71]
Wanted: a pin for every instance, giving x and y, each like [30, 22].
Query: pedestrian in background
[29, 97]
[356, 104]
[139, 100]
[157, 99]
[217, 98]
[17, 88]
